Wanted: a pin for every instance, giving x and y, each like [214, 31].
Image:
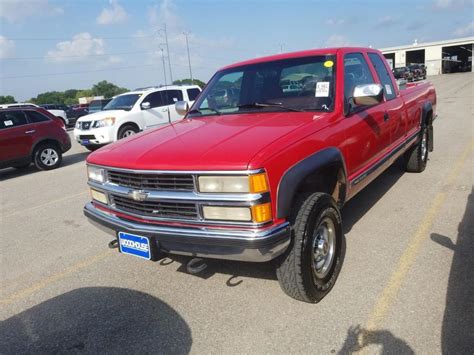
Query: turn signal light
[258, 183]
[262, 213]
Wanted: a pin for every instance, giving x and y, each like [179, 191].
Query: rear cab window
[383, 75]
[11, 119]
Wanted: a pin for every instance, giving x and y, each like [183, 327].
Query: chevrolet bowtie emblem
[138, 195]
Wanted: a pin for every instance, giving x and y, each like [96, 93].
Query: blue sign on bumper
[134, 245]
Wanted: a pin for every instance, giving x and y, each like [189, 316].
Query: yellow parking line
[53, 278]
[408, 257]
[46, 204]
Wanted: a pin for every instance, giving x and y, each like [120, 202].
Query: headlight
[96, 174]
[105, 122]
[233, 184]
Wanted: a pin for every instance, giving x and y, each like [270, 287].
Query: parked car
[403, 73]
[56, 112]
[132, 112]
[418, 70]
[31, 135]
[265, 177]
[98, 105]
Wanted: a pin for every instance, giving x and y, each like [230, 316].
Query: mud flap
[430, 138]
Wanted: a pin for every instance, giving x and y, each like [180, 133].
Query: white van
[131, 113]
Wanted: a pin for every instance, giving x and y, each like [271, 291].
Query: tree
[198, 82]
[106, 89]
[7, 99]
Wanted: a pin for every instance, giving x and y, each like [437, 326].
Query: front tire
[127, 131]
[308, 270]
[417, 157]
[47, 156]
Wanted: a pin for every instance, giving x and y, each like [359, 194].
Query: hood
[102, 114]
[226, 142]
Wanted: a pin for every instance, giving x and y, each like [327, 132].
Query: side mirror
[368, 94]
[145, 105]
[182, 107]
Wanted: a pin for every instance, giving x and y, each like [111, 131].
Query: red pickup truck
[263, 162]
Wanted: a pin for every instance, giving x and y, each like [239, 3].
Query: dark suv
[31, 135]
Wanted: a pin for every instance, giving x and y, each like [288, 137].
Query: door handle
[31, 131]
[386, 117]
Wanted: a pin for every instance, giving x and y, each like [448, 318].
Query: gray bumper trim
[245, 245]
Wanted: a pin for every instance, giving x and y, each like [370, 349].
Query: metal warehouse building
[439, 57]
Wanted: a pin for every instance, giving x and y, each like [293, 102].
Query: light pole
[189, 57]
[167, 50]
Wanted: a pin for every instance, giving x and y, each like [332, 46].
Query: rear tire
[309, 268]
[417, 157]
[47, 156]
[126, 131]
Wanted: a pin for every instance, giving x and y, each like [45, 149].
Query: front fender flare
[295, 176]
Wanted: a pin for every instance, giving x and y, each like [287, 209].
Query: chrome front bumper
[257, 245]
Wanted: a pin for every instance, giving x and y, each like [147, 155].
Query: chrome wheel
[49, 157]
[128, 133]
[324, 245]
[424, 145]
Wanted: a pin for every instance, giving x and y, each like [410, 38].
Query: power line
[75, 72]
[79, 56]
[68, 39]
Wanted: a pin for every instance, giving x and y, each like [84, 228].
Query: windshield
[400, 70]
[95, 106]
[297, 84]
[122, 102]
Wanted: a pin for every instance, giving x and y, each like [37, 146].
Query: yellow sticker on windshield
[328, 63]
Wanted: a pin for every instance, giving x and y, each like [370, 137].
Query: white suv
[132, 112]
[58, 113]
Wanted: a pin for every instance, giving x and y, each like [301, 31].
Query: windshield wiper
[196, 110]
[269, 104]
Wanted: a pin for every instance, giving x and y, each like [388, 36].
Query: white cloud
[15, 11]
[80, 48]
[335, 22]
[465, 30]
[112, 15]
[451, 4]
[337, 41]
[7, 47]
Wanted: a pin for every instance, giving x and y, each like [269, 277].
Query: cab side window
[154, 99]
[35, 117]
[356, 72]
[193, 93]
[12, 119]
[383, 75]
[170, 97]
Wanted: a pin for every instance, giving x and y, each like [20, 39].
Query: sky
[48, 45]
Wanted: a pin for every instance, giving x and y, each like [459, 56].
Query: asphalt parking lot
[406, 285]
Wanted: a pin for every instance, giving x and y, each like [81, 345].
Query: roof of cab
[299, 54]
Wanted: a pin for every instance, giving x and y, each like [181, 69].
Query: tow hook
[196, 265]
[113, 244]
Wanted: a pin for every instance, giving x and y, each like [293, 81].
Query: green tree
[7, 99]
[49, 97]
[106, 89]
[198, 82]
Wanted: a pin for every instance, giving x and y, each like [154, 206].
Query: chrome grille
[156, 208]
[152, 181]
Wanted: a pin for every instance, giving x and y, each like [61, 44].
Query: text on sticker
[322, 89]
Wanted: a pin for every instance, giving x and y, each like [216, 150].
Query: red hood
[225, 142]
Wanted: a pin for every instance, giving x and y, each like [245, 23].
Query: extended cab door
[170, 97]
[395, 112]
[16, 136]
[366, 126]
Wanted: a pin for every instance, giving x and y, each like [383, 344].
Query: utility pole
[189, 57]
[163, 60]
[168, 51]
